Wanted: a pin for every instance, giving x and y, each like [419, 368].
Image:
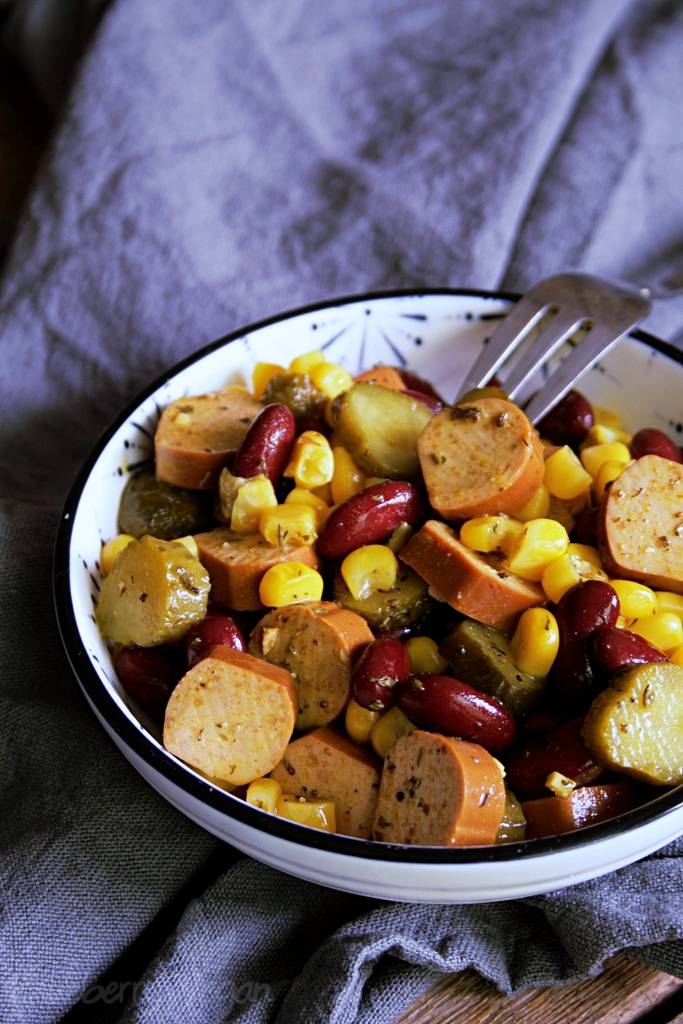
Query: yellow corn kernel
[262, 376]
[663, 629]
[111, 550]
[368, 569]
[251, 501]
[559, 784]
[290, 583]
[331, 379]
[424, 655]
[300, 496]
[314, 813]
[636, 601]
[536, 507]
[609, 471]
[388, 728]
[289, 524]
[587, 553]
[190, 543]
[540, 542]
[347, 478]
[306, 361]
[312, 463]
[677, 656]
[607, 418]
[601, 433]
[595, 455]
[566, 572]
[535, 641]
[565, 477]
[359, 721]
[264, 793]
[668, 602]
[490, 533]
[324, 492]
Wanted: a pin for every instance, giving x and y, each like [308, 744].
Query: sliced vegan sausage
[231, 716]
[236, 562]
[387, 376]
[588, 805]
[324, 765]
[439, 791]
[196, 436]
[473, 584]
[316, 641]
[641, 524]
[480, 457]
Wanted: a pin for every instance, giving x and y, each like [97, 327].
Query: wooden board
[625, 992]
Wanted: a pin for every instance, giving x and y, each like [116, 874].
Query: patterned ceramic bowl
[438, 334]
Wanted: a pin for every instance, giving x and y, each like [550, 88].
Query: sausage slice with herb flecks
[439, 791]
[476, 585]
[641, 524]
[231, 716]
[317, 642]
[480, 457]
[196, 436]
[324, 765]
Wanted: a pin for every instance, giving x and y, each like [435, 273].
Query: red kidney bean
[213, 631]
[370, 517]
[415, 383]
[572, 684]
[381, 667]
[556, 750]
[651, 441]
[569, 421]
[435, 404]
[452, 707]
[149, 674]
[589, 606]
[616, 649]
[540, 721]
[267, 444]
[586, 529]
[313, 423]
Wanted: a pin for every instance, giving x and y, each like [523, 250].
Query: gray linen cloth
[215, 163]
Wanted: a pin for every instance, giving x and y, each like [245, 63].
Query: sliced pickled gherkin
[298, 393]
[480, 655]
[380, 428]
[151, 507]
[155, 591]
[513, 825]
[405, 604]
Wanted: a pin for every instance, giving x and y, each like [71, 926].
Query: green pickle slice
[404, 605]
[480, 655]
[155, 591]
[513, 826]
[151, 506]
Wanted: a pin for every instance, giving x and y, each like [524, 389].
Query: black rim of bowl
[146, 748]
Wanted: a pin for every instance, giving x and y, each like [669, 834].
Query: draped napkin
[214, 163]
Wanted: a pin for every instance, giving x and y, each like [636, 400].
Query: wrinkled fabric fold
[214, 164]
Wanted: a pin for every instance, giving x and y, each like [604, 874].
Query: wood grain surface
[625, 991]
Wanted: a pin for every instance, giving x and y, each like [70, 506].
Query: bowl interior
[437, 334]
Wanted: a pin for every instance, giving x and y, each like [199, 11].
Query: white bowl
[436, 333]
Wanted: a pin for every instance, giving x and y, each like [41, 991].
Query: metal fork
[609, 311]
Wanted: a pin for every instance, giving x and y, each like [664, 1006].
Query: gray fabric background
[215, 163]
